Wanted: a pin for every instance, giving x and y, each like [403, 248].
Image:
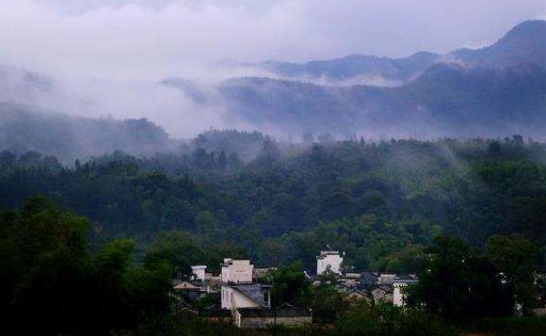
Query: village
[240, 295]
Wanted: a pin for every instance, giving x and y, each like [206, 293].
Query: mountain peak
[525, 43]
[528, 34]
[528, 29]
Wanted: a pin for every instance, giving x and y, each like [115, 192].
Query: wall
[398, 296]
[237, 271]
[263, 322]
[232, 298]
[332, 260]
[199, 272]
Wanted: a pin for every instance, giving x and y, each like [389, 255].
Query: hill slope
[525, 43]
[24, 129]
[447, 100]
[355, 69]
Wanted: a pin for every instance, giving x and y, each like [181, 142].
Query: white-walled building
[236, 276]
[236, 271]
[329, 260]
[199, 272]
[245, 296]
[399, 289]
[398, 297]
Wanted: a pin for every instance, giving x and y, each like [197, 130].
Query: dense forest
[246, 194]
[52, 276]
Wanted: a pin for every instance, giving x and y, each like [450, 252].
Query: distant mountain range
[354, 69]
[447, 100]
[526, 43]
[493, 91]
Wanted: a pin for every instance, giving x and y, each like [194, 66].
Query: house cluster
[238, 295]
[373, 287]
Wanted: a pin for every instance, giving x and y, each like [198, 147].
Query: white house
[199, 272]
[245, 296]
[236, 278]
[398, 297]
[236, 271]
[329, 260]
[398, 289]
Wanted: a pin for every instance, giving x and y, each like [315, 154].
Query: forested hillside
[494, 91]
[378, 201]
[447, 100]
[24, 128]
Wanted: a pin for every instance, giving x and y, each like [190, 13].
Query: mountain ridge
[447, 100]
[521, 44]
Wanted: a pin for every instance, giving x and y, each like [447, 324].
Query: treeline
[24, 128]
[381, 202]
[52, 284]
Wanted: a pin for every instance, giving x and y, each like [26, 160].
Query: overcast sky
[154, 38]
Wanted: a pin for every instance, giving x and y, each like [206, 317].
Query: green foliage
[459, 283]
[518, 260]
[369, 242]
[512, 326]
[327, 303]
[289, 285]
[48, 276]
[378, 201]
[385, 320]
[177, 250]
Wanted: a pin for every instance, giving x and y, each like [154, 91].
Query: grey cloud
[93, 42]
[131, 38]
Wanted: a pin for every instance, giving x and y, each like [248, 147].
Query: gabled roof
[357, 291]
[383, 288]
[255, 292]
[405, 278]
[186, 286]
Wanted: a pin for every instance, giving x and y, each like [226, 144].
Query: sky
[127, 39]
[107, 56]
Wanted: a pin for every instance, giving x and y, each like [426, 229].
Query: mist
[128, 39]
[102, 58]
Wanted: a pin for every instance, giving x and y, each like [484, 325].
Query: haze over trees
[381, 202]
[495, 91]
[97, 216]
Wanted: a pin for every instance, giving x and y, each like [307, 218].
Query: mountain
[25, 129]
[356, 69]
[447, 100]
[491, 91]
[525, 43]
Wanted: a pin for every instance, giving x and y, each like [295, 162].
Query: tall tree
[517, 258]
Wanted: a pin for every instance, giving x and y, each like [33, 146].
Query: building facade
[329, 260]
[236, 271]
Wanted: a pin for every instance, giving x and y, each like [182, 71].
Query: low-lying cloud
[106, 56]
[136, 38]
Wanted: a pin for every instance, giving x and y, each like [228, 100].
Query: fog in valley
[191, 66]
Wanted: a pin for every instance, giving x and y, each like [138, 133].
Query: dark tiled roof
[368, 278]
[255, 291]
[405, 278]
